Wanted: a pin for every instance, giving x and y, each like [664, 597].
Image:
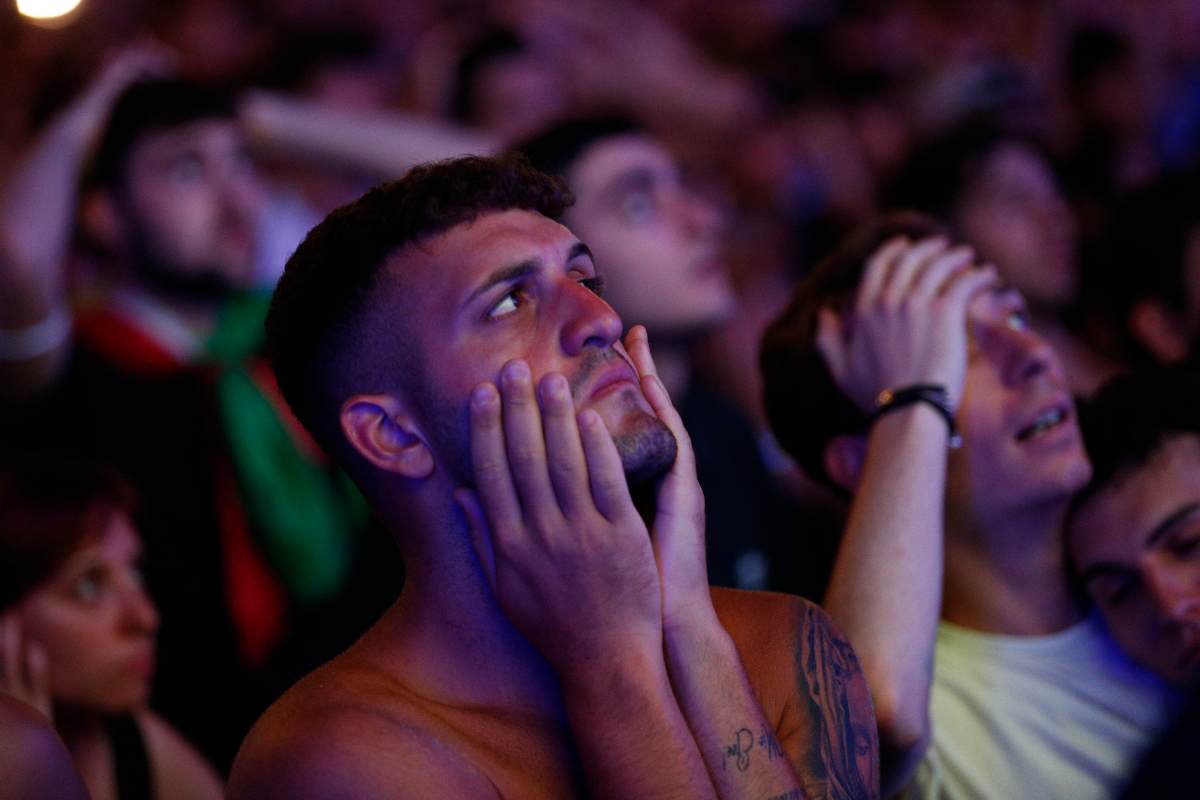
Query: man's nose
[1030, 355]
[1176, 593]
[588, 321]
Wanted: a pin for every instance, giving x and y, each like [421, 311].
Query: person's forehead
[451, 263]
[213, 134]
[1119, 519]
[604, 164]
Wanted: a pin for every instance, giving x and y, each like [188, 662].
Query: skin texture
[1136, 546]
[550, 642]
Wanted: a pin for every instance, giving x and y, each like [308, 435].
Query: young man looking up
[444, 339]
[950, 579]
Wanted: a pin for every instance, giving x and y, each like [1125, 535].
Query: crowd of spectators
[1060, 140]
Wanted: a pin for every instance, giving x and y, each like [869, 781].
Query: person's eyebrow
[522, 269]
[1171, 521]
[506, 274]
[580, 249]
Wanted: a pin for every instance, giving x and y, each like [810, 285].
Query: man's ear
[101, 219]
[1159, 330]
[844, 456]
[384, 433]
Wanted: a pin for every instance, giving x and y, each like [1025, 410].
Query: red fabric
[255, 598]
[123, 342]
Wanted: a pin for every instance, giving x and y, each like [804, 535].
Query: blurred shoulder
[33, 759]
[178, 768]
[350, 731]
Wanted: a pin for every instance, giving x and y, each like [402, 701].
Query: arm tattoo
[739, 750]
[743, 742]
[844, 750]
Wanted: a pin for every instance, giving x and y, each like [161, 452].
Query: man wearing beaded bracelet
[989, 679]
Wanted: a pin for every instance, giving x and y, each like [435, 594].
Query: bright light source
[46, 9]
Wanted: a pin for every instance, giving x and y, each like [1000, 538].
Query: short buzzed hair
[805, 407]
[318, 324]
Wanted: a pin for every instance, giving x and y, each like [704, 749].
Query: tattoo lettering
[739, 750]
[844, 753]
[768, 742]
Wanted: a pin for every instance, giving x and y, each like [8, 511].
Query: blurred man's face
[1021, 441]
[1014, 213]
[1136, 546]
[658, 241]
[192, 200]
[516, 285]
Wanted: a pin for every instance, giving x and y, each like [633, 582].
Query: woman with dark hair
[77, 630]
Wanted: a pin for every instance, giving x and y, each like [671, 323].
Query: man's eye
[638, 207]
[507, 305]
[594, 285]
[86, 588]
[1185, 545]
[1018, 320]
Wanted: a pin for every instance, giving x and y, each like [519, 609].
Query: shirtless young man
[444, 339]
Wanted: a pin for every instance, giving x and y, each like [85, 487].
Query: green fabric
[302, 514]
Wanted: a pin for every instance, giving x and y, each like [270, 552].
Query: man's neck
[448, 641]
[1009, 575]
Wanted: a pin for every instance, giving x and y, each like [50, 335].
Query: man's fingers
[968, 283]
[879, 265]
[606, 475]
[830, 341]
[481, 536]
[637, 344]
[564, 452]
[909, 265]
[489, 460]
[936, 276]
[525, 443]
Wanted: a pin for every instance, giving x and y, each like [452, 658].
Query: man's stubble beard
[645, 444]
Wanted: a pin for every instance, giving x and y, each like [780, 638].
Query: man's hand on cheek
[563, 548]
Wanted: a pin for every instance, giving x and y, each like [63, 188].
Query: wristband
[930, 393]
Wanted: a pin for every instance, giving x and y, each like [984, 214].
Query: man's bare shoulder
[810, 684]
[349, 730]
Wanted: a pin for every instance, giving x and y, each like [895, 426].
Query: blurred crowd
[1060, 139]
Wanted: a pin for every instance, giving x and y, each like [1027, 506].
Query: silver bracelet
[38, 339]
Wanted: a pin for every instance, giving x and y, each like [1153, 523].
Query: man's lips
[618, 374]
[1049, 417]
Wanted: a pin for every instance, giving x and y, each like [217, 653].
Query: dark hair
[803, 403]
[148, 107]
[938, 173]
[316, 325]
[556, 149]
[493, 46]
[1143, 257]
[1132, 416]
[48, 508]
